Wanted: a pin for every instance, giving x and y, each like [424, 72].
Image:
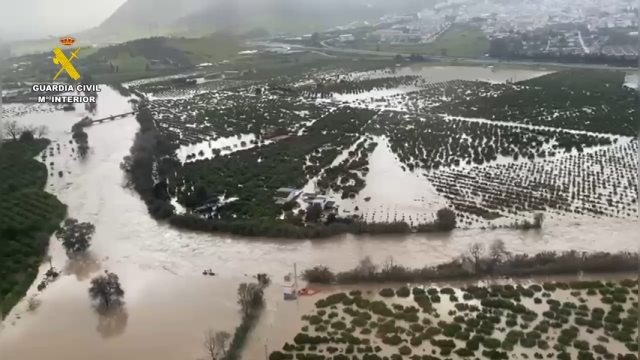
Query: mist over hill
[198, 17]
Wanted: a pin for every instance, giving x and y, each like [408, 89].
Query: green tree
[106, 290]
[446, 219]
[313, 213]
[75, 237]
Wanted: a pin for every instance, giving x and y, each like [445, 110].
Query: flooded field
[169, 303]
[539, 318]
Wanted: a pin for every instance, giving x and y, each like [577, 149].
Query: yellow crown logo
[67, 41]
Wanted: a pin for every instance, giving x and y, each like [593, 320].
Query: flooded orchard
[169, 303]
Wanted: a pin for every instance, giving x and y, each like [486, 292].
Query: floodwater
[282, 320]
[169, 303]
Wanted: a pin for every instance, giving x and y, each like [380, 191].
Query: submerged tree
[250, 298]
[75, 237]
[107, 291]
[313, 213]
[497, 251]
[446, 219]
[215, 344]
[476, 251]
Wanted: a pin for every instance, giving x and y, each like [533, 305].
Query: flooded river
[169, 303]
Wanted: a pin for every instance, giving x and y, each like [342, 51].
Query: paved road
[471, 61]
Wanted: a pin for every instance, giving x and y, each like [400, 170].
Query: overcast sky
[23, 19]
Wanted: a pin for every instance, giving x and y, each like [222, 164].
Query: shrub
[446, 343]
[473, 345]
[416, 341]
[621, 298]
[511, 323]
[632, 346]
[359, 322]
[463, 335]
[338, 325]
[542, 328]
[435, 299]
[464, 352]
[533, 335]
[564, 356]
[277, 355]
[600, 349]
[629, 283]
[393, 340]
[537, 300]
[606, 300]
[445, 351]
[491, 343]
[495, 354]
[432, 331]
[315, 320]
[543, 344]
[581, 345]
[403, 292]
[365, 331]
[528, 342]
[386, 292]
[507, 345]
[549, 314]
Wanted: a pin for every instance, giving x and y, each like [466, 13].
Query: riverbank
[28, 216]
[475, 265]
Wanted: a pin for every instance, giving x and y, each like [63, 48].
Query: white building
[346, 37]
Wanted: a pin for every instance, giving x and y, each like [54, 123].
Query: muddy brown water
[169, 303]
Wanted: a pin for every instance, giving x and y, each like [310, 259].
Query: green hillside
[131, 60]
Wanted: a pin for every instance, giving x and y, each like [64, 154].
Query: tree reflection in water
[82, 265]
[112, 322]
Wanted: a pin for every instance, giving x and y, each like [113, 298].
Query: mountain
[140, 18]
[143, 18]
[288, 15]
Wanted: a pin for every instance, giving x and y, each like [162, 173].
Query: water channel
[169, 303]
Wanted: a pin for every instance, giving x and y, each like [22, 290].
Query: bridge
[113, 117]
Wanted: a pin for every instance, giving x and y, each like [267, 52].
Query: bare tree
[476, 250]
[41, 131]
[12, 129]
[215, 344]
[497, 251]
[388, 264]
[366, 267]
[210, 345]
[222, 337]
